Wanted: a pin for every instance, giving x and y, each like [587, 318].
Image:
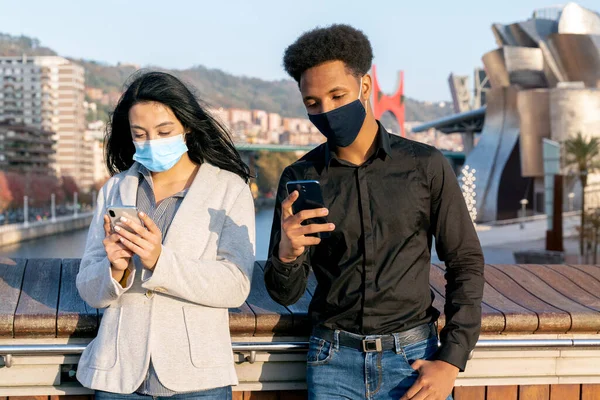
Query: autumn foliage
[39, 188]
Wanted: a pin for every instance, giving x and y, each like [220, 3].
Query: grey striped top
[162, 215]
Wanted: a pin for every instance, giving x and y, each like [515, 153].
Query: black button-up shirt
[373, 272]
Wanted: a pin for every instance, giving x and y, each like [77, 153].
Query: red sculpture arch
[383, 102]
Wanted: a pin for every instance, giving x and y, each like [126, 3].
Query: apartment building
[26, 149]
[47, 92]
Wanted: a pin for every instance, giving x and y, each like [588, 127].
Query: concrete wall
[12, 234]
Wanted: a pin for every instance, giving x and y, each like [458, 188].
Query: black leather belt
[380, 342]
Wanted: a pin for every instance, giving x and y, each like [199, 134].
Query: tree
[69, 187]
[581, 156]
[6, 197]
[593, 219]
[269, 166]
[42, 187]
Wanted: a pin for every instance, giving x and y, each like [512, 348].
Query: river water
[72, 244]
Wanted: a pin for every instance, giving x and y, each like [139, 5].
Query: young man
[387, 197]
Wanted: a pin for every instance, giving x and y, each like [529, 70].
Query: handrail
[33, 224]
[8, 351]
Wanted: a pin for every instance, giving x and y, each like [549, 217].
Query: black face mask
[342, 125]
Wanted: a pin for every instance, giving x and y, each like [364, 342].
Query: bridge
[455, 156]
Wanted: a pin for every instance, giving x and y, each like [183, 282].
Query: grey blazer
[177, 314]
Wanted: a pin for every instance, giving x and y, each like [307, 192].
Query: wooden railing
[540, 333]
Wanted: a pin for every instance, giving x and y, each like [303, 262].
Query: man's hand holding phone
[294, 237]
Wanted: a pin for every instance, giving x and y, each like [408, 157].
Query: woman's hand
[146, 242]
[118, 255]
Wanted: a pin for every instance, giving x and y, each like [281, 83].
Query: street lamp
[26, 211]
[75, 204]
[571, 197]
[53, 207]
[524, 203]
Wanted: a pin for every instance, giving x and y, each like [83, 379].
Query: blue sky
[426, 39]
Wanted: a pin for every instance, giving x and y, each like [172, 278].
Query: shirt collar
[383, 147]
[146, 176]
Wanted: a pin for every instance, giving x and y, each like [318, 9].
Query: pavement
[500, 241]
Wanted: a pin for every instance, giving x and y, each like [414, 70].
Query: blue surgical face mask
[160, 155]
[342, 125]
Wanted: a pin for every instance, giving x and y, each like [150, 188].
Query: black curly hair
[337, 42]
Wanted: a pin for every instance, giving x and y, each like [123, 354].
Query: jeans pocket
[422, 350]
[319, 351]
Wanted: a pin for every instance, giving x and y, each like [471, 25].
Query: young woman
[167, 287]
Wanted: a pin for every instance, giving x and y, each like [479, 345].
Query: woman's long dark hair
[207, 141]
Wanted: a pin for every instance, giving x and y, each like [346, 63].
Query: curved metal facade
[577, 56]
[545, 80]
[573, 111]
[576, 19]
[511, 65]
[499, 138]
[534, 113]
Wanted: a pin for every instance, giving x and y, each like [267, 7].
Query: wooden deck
[38, 299]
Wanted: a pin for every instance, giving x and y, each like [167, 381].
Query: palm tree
[594, 224]
[581, 154]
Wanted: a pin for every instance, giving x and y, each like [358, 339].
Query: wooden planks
[11, 280]
[565, 392]
[517, 318]
[580, 278]
[299, 311]
[270, 316]
[242, 321]
[592, 270]
[492, 320]
[590, 392]
[301, 325]
[469, 393]
[573, 288]
[534, 392]
[36, 311]
[29, 398]
[551, 319]
[502, 393]
[74, 317]
[517, 299]
[583, 317]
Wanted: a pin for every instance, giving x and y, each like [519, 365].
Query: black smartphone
[310, 198]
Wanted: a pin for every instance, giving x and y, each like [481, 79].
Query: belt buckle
[372, 345]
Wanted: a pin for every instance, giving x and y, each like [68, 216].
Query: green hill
[214, 86]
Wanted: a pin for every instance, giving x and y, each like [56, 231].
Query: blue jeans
[338, 372]
[222, 393]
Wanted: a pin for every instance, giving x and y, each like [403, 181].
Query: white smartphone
[116, 212]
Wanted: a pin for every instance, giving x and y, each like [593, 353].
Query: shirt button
[149, 294]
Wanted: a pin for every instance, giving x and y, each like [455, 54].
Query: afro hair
[335, 43]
